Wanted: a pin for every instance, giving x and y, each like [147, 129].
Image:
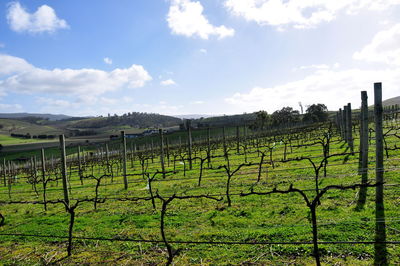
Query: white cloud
[54, 102]
[197, 102]
[203, 51]
[10, 107]
[333, 88]
[301, 14]
[317, 67]
[107, 60]
[384, 47]
[43, 20]
[17, 75]
[11, 65]
[186, 18]
[167, 82]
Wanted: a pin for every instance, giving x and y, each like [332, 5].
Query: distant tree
[285, 115]
[316, 113]
[262, 119]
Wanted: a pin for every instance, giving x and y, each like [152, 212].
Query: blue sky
[95, 57]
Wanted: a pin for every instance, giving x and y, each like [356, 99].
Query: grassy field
[8, 140]
[250, 219]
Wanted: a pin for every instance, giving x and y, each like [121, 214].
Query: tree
[285, 115]
[316, 113]
[261, 119]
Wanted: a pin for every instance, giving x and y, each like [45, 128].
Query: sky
[174, 57]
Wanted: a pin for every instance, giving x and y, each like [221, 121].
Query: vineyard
[298, 194]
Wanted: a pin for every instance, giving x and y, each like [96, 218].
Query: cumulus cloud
[17, 75]
[10, 107]
[186, 18]
[384, 47]
[300, 14]
[316, 67]
[43, 20]
[333, 88]
[167, 82]
[107, 60]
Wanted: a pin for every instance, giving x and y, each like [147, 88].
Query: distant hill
[194, 116]
[226, 120]
[134, 119]
[391, 101]
[50, 117]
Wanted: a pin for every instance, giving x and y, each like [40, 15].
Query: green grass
[249, 219]
[8, 140]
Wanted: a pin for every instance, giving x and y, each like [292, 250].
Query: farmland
[226, 197]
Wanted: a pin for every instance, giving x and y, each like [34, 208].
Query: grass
[8, 140]
[250, 219]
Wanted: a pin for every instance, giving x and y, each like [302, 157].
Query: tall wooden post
[79, 165]
[208, 147]
[363, 167]
[162, 151]
[107, 157]
[349, 128]
[341, 122]
[237, 140]
[43, 160]
[64, 169]
[167, 144]
[346, 138]
[4, 172]
[189, 131]
[224, 141]
[123, 139]
[380, 227]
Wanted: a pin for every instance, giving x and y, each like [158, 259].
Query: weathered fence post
[4, 172]
[349, 128]
[64, 169]
[363, 166]
[189, 131]
[43, 177]
[162, 152]
[80, 165]
[237, 140]
[107, 157]
[208, 147]
[346, 134]
[380, 227]
[123, 138]
[341, 123]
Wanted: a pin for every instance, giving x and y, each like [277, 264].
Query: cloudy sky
[95, 57]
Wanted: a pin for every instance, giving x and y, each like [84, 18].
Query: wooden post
[189, 131]
[79, 165]
[162, 151]
[349, 128]
[107, 157]
[123, 139]
[346, 138]
[208, 147]
[4, 172]
[167, 143]
[43, 160]
[224, 140]
[380, 227]
[64, 169]
[341, 122]
[237, 140]
[363, 167]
